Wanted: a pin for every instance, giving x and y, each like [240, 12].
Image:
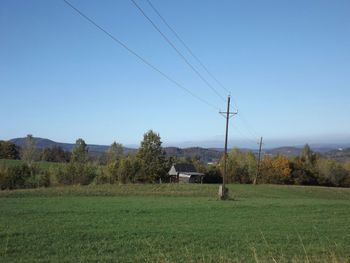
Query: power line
[249, 128]
[138, 56]
[244, 136]
[243, 119]
[177, 50]
[187, 47]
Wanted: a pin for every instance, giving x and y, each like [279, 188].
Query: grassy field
[43, 165]
[175, 223]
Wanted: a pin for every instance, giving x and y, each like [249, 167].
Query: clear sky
[287, 64]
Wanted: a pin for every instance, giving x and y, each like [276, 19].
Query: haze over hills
[205, 154]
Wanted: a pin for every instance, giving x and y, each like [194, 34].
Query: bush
[212, 176]
[22, 176]
[331, 173]
[77, 173]
[103, 177]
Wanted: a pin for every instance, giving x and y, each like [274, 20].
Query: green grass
[175, 223]
[43, 165]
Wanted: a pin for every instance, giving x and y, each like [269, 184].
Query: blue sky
[287, 64]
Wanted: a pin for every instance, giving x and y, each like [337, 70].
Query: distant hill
[205, 154]
[41, 143]
[339, 154]
[287, 151]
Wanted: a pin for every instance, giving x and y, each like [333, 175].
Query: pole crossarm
[230, 114]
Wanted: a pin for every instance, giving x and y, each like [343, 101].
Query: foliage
[212, 175]
[307, 169]
[55, 154]
[22, 176]
[8, 150]
[332, 173]
[152, 157]
[114, 152]
[78, 170]
[126, 173]
[150, 165]
[303, 174]
[77, 173]
[200, 167]
[281, 170]
[29, 153]
[241, 166]
[80, 152]
[113, 156]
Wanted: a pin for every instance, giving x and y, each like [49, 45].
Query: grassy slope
[180, 223]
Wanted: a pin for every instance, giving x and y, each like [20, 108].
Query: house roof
[182, 168]
[185, 168]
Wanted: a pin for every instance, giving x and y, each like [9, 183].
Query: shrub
[212, 176]
[331, 173]
[103, 177]
[22, 176]
[77, 173]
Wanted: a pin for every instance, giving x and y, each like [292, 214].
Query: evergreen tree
[8, 150]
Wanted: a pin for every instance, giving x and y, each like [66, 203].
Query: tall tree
[125, 170]
[307, 154]
[114, 152]
[281, 170]
[114, 155]
[152, 156]
[79, 169]
[29, 152]
[80, 152]
[252, 165]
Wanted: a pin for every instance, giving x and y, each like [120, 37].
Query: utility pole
[223, 191]
[259, 159]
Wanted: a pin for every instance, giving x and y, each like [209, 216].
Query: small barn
[184, 173]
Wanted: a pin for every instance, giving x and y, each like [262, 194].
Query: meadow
[175, 223]
[41, 164]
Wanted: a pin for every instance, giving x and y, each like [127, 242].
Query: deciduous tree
[80, 152]
[29, 152]
[152, 156]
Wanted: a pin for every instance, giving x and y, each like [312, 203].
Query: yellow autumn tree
[281, 170]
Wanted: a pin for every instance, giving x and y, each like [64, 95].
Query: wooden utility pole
[259, 159]
[223, 191]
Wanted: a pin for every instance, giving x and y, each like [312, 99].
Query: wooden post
[258, 166]
[223, 191]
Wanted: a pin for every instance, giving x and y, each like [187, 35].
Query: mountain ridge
[205, 154]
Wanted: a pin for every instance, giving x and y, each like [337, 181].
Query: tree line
[309, 168]
[150, 165]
